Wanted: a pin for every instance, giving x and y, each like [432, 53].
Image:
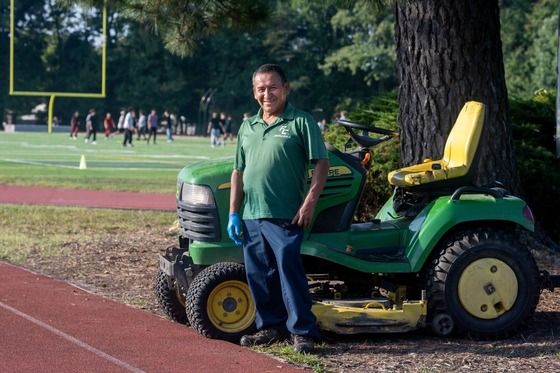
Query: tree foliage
[367, 48]
[183, 24]
[533, 125]
[337, 54]
[529, 37]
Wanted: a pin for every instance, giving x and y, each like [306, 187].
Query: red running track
[52, 326]
[29, 195]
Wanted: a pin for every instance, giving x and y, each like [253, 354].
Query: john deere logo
[335, 171]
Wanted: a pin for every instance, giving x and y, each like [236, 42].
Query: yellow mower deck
[370, 317]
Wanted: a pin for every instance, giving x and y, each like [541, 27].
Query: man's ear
[287, 88]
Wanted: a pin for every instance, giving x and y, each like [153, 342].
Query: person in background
[228, 128]
[120, 122]
[223, 122]
[152, 124]
[166, 122]
[142, 125]
[91, 125]
[74, 125]
[215, 129]
[108, 125]
[182, 124]
[269, 179]
[128, 126]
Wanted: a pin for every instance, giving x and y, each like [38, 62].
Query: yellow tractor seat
[456, 166]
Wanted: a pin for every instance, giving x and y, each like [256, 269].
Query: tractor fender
[445, 213]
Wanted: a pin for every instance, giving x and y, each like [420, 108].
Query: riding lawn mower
[442, 252]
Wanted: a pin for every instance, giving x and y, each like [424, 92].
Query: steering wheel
[364, 140]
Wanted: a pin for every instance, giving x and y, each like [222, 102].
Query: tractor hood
[215, 173]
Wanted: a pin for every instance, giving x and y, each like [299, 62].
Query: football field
[42, 159]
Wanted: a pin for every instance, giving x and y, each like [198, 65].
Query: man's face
[270, 93]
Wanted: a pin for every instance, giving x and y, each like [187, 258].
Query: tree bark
[449, 52]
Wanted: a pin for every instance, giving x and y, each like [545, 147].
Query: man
[75, 125]
[153, 124]
[223, 129]
[91, 125]
[108, 125]
[215, 129]
[128, 126]
[166, 122]
[274, 149]
[142, 125]
[120, 122]
[228, 127]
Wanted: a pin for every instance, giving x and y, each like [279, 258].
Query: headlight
[197, 195]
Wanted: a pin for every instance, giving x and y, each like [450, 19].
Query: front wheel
[169, 299]
[219, 303]
[486, 282]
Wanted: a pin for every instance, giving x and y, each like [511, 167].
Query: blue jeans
[276, 276]
[215, 137]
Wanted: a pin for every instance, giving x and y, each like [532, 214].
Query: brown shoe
[302, 343]
[262, 337]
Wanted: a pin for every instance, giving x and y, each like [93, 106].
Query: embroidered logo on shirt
[283, 132]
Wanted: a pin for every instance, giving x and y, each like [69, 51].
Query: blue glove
[234, 228]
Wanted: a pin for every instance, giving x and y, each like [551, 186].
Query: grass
[53, 160]
[44, 230]
[284, 351]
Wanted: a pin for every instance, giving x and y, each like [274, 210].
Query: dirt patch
[123, 266]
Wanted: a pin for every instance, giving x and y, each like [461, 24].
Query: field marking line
[73, 340]
[45, 163]
[22, 161]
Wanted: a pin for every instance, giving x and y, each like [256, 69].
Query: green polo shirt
[275, 162]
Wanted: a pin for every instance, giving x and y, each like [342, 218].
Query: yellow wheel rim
[488, 288]
[230, 307]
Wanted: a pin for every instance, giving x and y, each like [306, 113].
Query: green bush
[534, 125]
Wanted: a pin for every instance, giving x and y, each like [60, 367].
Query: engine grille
[199, 223]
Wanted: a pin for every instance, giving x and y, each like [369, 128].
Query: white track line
[71, 339]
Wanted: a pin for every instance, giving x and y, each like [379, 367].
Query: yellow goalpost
[52, 95]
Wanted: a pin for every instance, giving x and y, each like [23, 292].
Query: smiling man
[274, 152]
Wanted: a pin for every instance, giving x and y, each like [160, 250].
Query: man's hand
[305, 213]
[234, 228]
[303, 216]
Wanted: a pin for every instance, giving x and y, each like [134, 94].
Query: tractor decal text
[335, 171]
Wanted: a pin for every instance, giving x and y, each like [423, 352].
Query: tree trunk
[449, 52]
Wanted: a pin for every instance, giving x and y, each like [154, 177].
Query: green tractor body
[445, 257]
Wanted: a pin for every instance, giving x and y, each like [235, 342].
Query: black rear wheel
[483, 283]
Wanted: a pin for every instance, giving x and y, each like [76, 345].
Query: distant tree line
[335, 56]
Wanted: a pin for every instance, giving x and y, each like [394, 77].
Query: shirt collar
[288, 115]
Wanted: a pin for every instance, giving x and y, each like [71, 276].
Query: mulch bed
[123, 266]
